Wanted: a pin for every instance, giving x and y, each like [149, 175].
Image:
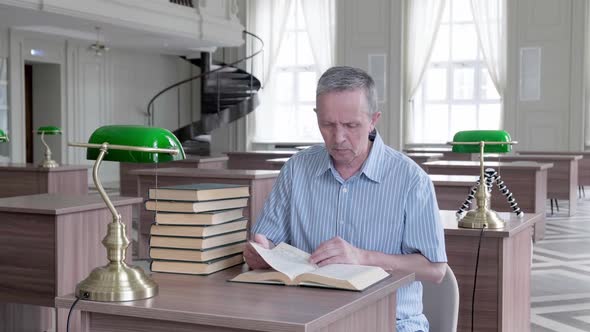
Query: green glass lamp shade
[3, 136]
[135, 136]
[49, 130]
[476, 136]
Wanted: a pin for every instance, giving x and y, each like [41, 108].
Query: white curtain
[490, 24]
[423, 20]
[267, 19]
[320, 21]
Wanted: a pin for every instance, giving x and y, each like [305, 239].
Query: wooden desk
[29, 179]
[422, 157]
[503, 294]
[128, 186]
[562, 178]
[193, 303]
[277, 163]
[583, 164]
[447, 153]
[49, 243]
[526, 180]
[452, 190]
[255, 159]
[260, 182]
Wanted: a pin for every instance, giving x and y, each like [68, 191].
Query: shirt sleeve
[424, 232]
[273, 222]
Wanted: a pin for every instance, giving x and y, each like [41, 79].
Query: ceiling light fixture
[99, 48]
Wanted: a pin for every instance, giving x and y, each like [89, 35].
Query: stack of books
[200, 228]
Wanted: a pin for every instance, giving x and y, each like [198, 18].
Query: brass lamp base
[48, 163]
[116, 282]
[481, 218]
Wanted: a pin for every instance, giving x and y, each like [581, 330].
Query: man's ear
[374, 119]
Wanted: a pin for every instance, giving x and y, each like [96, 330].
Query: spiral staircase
[228, 93]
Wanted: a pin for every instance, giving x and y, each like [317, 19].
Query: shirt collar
[370, 167]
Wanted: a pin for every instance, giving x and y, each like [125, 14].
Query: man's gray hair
[344, 78]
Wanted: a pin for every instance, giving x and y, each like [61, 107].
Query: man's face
[345, 124]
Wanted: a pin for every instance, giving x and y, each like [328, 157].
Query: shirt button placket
[341, 208]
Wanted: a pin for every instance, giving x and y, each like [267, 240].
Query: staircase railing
[150, 107]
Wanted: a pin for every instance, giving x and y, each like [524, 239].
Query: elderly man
[355, 200]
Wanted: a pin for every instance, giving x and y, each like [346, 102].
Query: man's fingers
[320, 255]
[333, 260]
[262, 240]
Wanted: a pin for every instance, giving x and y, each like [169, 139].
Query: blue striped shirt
[388, 206]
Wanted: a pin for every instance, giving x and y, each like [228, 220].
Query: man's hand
[252, 258]
[337, 251]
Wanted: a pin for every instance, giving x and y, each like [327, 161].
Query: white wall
[46, 110]
[4, 148]
[96, 91]
[556, 120]
[3, 42]
[375, 27]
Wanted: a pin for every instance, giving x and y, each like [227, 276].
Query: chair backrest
[441, 303]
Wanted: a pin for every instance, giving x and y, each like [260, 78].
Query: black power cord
[85, 295]
[475, 278]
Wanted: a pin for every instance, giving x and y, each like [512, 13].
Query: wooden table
[260, 182]
[422, 157]
[526, 180]
[503, 294]
[562, 178]
[29, 179]
[193, 303]
[447, 153]
[276, 163]
[49, 243]
[255, 159]
[452, 190]
[583, 164]
[128, 181]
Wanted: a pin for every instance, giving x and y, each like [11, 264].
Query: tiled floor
[560, 284]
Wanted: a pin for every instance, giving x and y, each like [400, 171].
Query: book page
[344, 271]
[347, 276]
[286, 259]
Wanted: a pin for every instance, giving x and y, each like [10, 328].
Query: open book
[291, 267]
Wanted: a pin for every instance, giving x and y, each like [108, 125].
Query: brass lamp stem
[482, 216]
[47, 149]
[103, 150]
[115, 281]
[482, 145]
[47, 162]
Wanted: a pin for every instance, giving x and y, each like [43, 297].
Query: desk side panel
[74, 182]
[27, 258]
[515, 295]
[97, 322]
[80, 250]
[462, 254]
[558, 179]
[378, 317]
[584, 171]
[573, 187]
[25, 317]
[17, 183]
